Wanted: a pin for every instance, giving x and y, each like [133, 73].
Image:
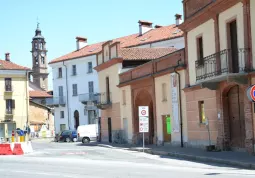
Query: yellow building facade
[14, 98]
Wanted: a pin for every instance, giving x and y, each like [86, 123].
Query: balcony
[230, 65]
[9, 114]
[87, 97]
[8, 90]
[103, 100]
[56, 101]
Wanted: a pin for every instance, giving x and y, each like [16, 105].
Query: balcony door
[233, 45]
[60, 94]
[107, 90]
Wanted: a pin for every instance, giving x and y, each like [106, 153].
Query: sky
[62, 20]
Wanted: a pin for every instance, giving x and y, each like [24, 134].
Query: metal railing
[87, 97]
[9, 111]
[229, 62]
[8, 88]
[56, 101]
[103, 98]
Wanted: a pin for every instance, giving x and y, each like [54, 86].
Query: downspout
[180, 101]
[67, 103]
[27, 99]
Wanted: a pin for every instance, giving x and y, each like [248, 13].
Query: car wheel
[74, 139]
[85, 140]
[68, 139]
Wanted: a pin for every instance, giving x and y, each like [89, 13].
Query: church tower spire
[39, 60]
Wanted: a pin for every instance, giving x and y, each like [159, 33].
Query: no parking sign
[251, 93]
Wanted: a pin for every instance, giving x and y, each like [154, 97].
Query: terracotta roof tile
[145, 53]
[8, 65]
[154, 35]
[39, 94]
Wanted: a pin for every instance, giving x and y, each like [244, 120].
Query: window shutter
[13, 104]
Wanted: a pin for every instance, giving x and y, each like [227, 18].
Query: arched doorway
[235, 123]
[76, 119]
[143, 98]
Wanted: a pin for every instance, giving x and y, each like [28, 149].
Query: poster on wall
[175, 104]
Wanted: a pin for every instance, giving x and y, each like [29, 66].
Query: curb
[199, 158]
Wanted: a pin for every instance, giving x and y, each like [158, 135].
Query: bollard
[13, 138]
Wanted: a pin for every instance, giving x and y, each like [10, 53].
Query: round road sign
[143, 112]
[252, 92]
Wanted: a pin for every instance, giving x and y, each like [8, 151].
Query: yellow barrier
[13, 139]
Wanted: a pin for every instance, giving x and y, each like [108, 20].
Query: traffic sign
[143, 111]
[252, 92]
[143, 124]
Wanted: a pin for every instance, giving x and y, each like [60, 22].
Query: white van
[87, 133]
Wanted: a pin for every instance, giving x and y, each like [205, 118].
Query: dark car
[67, 136]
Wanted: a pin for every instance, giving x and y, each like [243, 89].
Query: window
[60, 90]
[90, 67]
[8, 84]
[124, 97]
[91, 87]
[42, 59]
[201, 107]
[62, 114]
[91, 116]
[75, 92]
[60, 72]
[10, 105]
[62, 127]
[200, 50]
[74, 70]
[164, 95]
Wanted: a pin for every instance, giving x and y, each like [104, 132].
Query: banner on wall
[175, 104]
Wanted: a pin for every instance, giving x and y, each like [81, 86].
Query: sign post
[143, 120]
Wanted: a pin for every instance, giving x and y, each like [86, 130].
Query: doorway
[76, 119]
[236, 118]
[107, 90]
[110, 129]
[166, 124]
[233, 46]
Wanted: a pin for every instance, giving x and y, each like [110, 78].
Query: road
[73, 160]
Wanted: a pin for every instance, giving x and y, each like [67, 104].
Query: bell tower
[39, 58]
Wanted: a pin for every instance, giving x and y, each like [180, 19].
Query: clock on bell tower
[39, 58]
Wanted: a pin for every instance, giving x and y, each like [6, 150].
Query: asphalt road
[72, 160]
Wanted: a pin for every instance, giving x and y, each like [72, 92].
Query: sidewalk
[237, 159]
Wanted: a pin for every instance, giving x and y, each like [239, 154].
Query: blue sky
[62, 20]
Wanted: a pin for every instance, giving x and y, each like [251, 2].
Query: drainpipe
[67, 103]
[27, 101]
[180, 101]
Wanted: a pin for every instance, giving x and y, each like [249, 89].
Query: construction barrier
[5, 149]
[17, 150]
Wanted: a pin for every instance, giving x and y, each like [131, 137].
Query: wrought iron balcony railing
[103, 100]
[229, 61]
[55, 101]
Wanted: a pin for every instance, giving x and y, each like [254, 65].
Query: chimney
[7, 57]
[81, 42]
[178, 19]
[158, 26]
[144, 26]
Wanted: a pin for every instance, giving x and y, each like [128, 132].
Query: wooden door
[166, 129]
[236, 118]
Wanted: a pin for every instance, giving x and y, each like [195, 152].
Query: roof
[8, 65]
[154, 35]
[144, 53]
[39, 94]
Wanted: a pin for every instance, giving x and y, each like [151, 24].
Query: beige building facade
[219, 57]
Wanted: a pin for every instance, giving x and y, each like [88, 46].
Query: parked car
[67, 136]
[87, 133]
